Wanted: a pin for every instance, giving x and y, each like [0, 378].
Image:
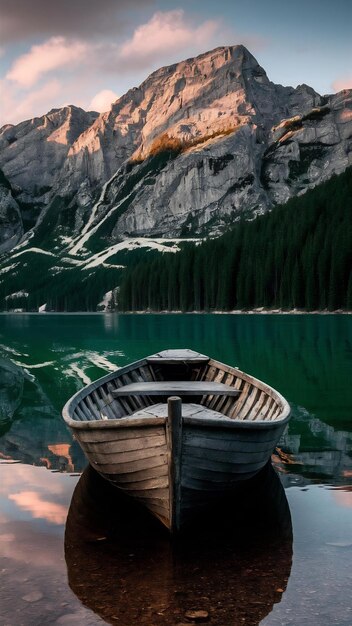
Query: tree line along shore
[298, 256]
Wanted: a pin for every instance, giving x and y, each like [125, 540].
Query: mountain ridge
[198, 145]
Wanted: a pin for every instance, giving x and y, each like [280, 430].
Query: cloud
[40, 508]
[71, 68]
[102, 100]
[342, 83]
[164, 34]
[17, 106]
[35, 478]
[51, 55]
[20, 19]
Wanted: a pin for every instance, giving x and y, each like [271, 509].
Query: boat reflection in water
[233, 564]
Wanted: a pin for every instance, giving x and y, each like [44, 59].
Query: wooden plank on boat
[149, 484]
[184, 388]
[80, 414]
[87, 412]
[160, 512]
[208, 477]
[222, 456]
[129, 464]
[258, 405]
[125, 445]
[207, 441]
[146, 374]
[127, 469]
[189, 409]
[158, 503]
[243, 436]
[262, 415]
[155, 490]
[171, 357]
[118, 434]
[251, 399]
[222, 463]
[142, 475]
[128, 455]
[237, 409]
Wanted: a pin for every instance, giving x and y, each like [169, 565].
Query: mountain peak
[198, 97]
[225, 139]
[237, 55]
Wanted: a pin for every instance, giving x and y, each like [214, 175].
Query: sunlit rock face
[33, 153]
[235, 142]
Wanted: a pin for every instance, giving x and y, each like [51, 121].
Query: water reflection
[111, 322]
[31, 428]
[11, 391]
[234, 565]
[315, 451]
[33, 511]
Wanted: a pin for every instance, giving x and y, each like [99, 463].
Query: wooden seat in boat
[188, 410]
[174, 357]
[181, 387]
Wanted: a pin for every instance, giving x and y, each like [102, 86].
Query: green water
[44, 359]
[130, 577]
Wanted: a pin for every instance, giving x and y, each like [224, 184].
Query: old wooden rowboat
[177, 430]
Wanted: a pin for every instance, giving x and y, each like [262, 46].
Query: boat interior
[195, 378]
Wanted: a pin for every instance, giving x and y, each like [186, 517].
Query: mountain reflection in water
[234, 564]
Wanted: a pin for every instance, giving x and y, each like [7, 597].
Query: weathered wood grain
[118, 434]
[109, 448]
[127, 467]
[145, 474]
[167, 388]
[172, 357]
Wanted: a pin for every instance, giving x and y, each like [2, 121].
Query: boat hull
[136, 460]
[213, 461]
[175, 464]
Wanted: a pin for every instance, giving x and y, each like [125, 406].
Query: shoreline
[239, 312]
[259, 311]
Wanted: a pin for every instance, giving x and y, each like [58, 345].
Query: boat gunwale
[273, 393]
[87, 390]
[130, 421]
[211, 422]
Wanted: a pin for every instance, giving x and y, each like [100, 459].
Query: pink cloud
[342, 83]
[165, 33]
[343, 497]
[51, 55]
[102, 100]
[38, 507]
[17, 106]
[35, 478]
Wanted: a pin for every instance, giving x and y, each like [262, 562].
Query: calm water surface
[72, 552]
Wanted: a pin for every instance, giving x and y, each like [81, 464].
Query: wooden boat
[177, 430]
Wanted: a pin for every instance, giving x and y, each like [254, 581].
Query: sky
[90, 52]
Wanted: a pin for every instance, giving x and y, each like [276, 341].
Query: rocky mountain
[195, 146]
[11, 224]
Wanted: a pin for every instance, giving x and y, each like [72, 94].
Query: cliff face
[194, 146]
[11, 225]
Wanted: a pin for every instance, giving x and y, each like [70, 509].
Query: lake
[72, 552]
